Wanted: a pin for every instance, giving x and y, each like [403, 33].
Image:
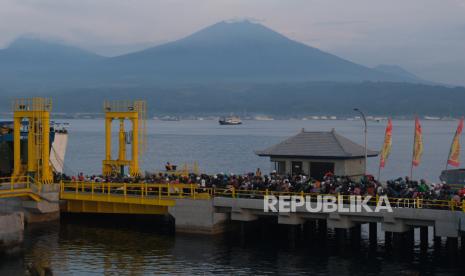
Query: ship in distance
[231, 120]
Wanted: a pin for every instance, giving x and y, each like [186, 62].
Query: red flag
[417, 144]
[387, 145]
[454, 153]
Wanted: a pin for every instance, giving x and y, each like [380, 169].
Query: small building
[315, 153]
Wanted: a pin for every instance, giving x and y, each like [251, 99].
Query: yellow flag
[454, 153]
[418, 144]
[387, 145]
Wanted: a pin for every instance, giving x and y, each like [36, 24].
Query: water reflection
[146, 246]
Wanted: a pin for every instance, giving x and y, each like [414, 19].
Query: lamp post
[365, 132]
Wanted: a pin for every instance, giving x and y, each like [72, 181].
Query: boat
[455, 178]
[170, 118]
[432, 118]
[263, 118]
[231, 120]
[58, 145]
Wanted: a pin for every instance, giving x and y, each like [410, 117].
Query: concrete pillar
[322, 227]
[452, 245]
[309, 229]
[437, 243]
[356, 233]
[408, 243]
[462, 241]
[341, 235]
[397, 239]
[424, 237]
[243, 229]
[388, 239]
[355, 236]
[373, 232]
[293, 234]
[410, 238]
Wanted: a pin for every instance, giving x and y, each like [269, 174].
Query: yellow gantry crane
[135, 112]
[35, 111]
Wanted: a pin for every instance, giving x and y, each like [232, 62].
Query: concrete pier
[47, 209]
[197, 217]
[356, 234]
[309, 228]
[373, 232]
[446, 223]
[452, 245]
[424, 237]
[341, 235]
[388, 238]
[11, 230]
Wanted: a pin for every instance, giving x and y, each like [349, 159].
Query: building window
[296, 167]
[319, 169]
[280, 167]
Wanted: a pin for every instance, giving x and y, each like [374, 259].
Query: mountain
[226, 51]
[398, 71]
[28, 54]
[241, 51]
[275, 99]
[34, 64]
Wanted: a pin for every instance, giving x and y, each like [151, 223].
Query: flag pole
[413, 151]
[379, 173]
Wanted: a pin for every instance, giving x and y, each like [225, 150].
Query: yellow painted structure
[135, 112]
[22, 186]
[37, 112]
[126, 198]
[143, 198]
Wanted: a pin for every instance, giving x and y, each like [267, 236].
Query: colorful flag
[387, 145]
[454, 153]
[417, 144]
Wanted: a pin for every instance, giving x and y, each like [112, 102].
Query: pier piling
[388, 239]
[373, 232]
[424, 237]
[322, 228]
[355, 234]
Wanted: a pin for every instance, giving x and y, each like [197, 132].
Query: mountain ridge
[243, 51]
[225, 51]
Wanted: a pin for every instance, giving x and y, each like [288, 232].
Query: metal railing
[19, 186]
[149, 192]
[141, 193]
[420, 203]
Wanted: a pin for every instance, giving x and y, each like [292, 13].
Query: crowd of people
[329, 184]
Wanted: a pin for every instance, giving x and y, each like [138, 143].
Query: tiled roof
[323, 144]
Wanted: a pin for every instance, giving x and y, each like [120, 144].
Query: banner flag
[417, 144]
[387, 145]
[454, 153]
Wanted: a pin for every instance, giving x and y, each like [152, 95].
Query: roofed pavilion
[315, 153]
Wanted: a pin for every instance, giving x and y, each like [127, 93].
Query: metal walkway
[22, 186]
[126, 198]
[144, 198]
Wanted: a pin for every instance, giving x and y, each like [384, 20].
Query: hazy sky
[426, 37]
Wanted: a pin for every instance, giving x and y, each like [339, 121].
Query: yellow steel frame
[37, 112]
[22, 186]
[418, 203]
[137, 198]
[125, 198]
[102, 207]
[122, 111]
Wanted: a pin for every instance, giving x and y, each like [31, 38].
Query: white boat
[232, 120]
[432, 118]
